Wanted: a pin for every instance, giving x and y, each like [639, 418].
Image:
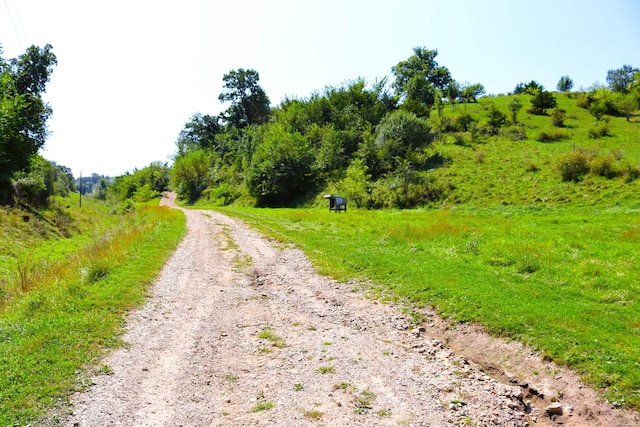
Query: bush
[599, 132]
[541, 102]
[574, 166]
[558, 116]
[552, 135]
[631, 173]
[603, 166]
[30, 190]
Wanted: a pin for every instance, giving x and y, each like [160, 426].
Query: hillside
[516, 168]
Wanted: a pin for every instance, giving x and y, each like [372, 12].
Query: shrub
[574, 166]
[599, 132]
[558, 116]
[495, 119]
[541, 102]
[464, 122]
[30, 190]
[631, 173]
[603, 166]
[552, 135]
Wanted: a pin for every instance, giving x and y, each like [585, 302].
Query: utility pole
[81, 188]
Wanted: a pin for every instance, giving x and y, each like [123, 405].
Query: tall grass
[563, 280]
[55, 327]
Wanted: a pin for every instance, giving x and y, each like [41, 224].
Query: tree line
[369, 141]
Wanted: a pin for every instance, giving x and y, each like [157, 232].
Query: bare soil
[241, 331]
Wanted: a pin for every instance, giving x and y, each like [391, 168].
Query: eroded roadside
[238, 331]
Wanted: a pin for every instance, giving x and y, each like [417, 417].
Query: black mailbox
[336, 203]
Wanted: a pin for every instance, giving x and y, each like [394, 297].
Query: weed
[298, 387]
[232, 378]
[326, 369]
[344, 386]
[268, 334]
[364, 402]
[262, 406]
[104, 370]
[385, 412]
[313, 414]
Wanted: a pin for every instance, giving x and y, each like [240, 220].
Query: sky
[131, 73]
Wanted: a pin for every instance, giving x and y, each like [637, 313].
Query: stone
[554, 409]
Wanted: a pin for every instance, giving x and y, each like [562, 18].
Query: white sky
[131, 73]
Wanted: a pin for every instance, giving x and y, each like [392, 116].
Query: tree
[565, 84]
[530, 88]
[514, 106]
[541, 102]
[418, 77]
[620, 79]
[190, 173]
[454, 91]
[626, 104]
[471, 93]
[249, 102]
[23, 113]
[198, 133]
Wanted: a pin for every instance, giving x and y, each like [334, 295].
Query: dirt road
[239, 331]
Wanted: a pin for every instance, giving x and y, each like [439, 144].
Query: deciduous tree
[23, 113]
[249, 102]
[620, 79]
[565, 84]
[418, 77]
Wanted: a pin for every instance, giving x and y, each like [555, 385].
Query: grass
[268, 334]
[64, 321]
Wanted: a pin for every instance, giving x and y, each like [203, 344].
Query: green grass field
[65, 309]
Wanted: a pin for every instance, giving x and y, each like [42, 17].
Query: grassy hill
[507, 170]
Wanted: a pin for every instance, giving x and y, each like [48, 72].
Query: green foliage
[472, 92]
[599, 131]
[626, 104]
[190, 174]
[603, 166]
[356, 186]
[24, 113]
[281, 167]
[574, 166]
[558, 116]
[565, 84]
[552, 135]
[541, 102]
[418, 77]
[397, 134]
[620, 79]
[249, 102]
[531, 88]
[514, 106]
[495, 119]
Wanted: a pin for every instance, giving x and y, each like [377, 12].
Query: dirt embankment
[238, 331]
